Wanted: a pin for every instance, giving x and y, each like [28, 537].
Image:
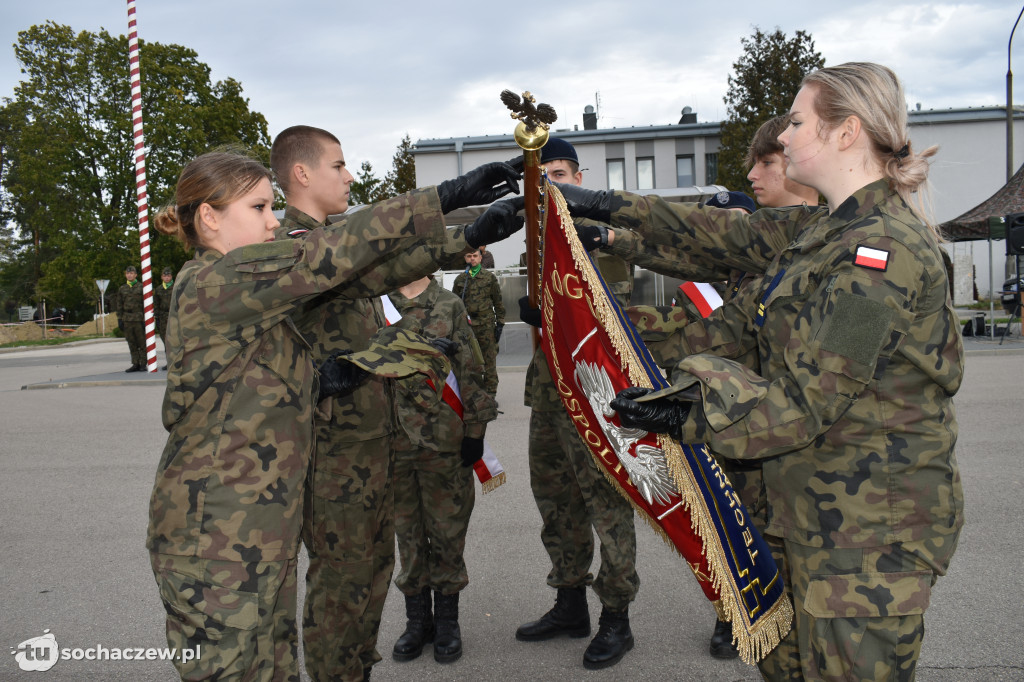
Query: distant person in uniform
[162, 305]
[131, 318]
[481, 293]
[486, 258]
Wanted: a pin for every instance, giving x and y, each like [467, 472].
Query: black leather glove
[472, 451]
[517, 163]
[446, 346]
[498, 222]
[657, 416]
[587, 203]
[593, 236]
[480, 186]
[339, 377]
[530, 316]
[498, 327]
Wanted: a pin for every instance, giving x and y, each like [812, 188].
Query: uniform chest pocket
[784, 291]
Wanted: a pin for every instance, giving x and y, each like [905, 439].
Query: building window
[645, 173]
[711, 168]
[616, 174]
[684, 172]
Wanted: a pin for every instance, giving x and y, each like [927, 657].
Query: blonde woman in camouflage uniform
[434, 490]
[860, 356]
[226, 506]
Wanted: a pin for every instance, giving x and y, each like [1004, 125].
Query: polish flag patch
[875, 259]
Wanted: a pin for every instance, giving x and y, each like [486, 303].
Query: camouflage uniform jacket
[240, 384]
[429, 422]
[347, 318]
[482, 297]
[129, 305]
[852, 410]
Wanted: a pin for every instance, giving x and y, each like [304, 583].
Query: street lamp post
[1009, 102]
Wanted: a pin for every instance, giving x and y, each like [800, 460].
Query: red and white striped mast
[140, 189]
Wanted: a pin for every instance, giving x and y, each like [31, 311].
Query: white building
[671, 159]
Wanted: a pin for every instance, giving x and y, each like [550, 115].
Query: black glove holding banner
[498, 222]
[587, 203]
[498, 327]
[338, 377]
[472, 451]
[592, 236]
[480, 186]
[530, 316]
[661, 415]
[445, 346]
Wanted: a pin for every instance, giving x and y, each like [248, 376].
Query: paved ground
[78, 465]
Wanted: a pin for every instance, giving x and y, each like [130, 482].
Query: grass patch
[51, 342]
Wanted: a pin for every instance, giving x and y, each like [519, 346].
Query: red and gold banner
[679, 489]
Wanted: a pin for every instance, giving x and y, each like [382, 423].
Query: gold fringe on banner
[492, 483]
[754, 641]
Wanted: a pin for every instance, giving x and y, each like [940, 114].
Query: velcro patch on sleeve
[857, 328]
[876, 259]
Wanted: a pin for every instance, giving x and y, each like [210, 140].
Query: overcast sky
[374, 71]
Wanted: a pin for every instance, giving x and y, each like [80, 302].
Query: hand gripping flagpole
[140, 189]
[531, 134]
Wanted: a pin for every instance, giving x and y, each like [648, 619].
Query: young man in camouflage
[131, 318]
[480, 292]
[349, 529]
[162, 304]
[434, 489]
[574, 498]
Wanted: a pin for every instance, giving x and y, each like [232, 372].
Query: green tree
[402, 176]
[763, 84]
[67, 167]
[367, 188]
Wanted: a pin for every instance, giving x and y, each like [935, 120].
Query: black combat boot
[447, 636]
[721, 641]
[419, 629]
[569, 616]
[612, 641]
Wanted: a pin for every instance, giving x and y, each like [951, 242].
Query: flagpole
[531, 134]
[140, 189]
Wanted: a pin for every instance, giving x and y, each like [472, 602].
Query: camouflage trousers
[484, 333]
[135, 335]
[434, 498]
[575, 500]
[859, 613]
[349, 534]
[238, 617]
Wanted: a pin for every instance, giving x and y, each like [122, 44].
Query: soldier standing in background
[131, 318]
[349, 532]
[480, 292]
[162, 305]
[434, 489]
[573, 496]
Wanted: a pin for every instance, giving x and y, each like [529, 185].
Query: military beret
[130, 268]
[732, 200]
[168, 271]
[557, 148]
